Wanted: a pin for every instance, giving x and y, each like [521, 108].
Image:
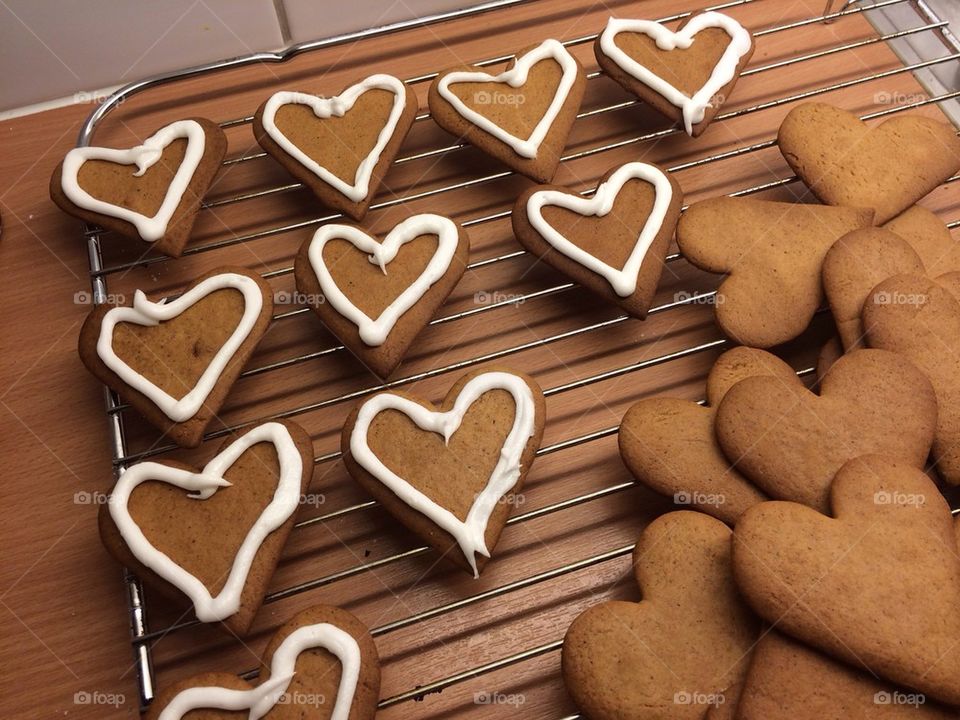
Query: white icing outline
[143, 156]
[202, 486]
[375, 332]
[338, 106]
[261, 699]
[623, 280]
[515, 77]
[724, 71]
[145, 312]
[469, 534]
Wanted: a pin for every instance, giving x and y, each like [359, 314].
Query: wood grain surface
[65, 622]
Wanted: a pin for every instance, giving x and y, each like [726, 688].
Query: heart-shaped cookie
[686, 75]
[339, 147]
[790, 442]
[920, 319]
[613, 242]
[377, 295]
[674, 653]
[521, 116]
[790, 681]
[887, 168]
[449, 475]
[929, 236]
[152, 191]
[669, 444]
[214, 534]
[876, 585]
[320, 664]
[773, 253]
[175, 361]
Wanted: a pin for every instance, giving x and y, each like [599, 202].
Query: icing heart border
[147, 313]
[374, 332]
[516, 77]
[261, 699]
[725, 70]
[338, 106]
[202, 486]
[144, 156]
[622, 280]
[468, 534]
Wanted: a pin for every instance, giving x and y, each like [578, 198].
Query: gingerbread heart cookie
[772, 252]
[320, 664]
[674, 653]
[339, 147]
[929, 237]
[215, 534]
[887, 167]
[669, 444]
[521, 116]
[876, 585]
[150, 192]
[175, 360]
[790, 681]
[613, 242]
[449, 474]
[920, 319]
[377, 295]
[686, 75]
[855, 264]
[790, 442]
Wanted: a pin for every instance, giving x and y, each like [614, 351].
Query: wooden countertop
[65, 626]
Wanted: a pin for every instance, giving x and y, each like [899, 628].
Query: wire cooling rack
[146, 640]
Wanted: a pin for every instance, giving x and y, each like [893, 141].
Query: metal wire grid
[141, 637]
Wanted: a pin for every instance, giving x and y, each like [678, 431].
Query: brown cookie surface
[876, 585]
[355, 145]
[790, 442]
[480, 106]
[173, 355]
[886, 167]
[788, 680]
[451, 474]
[673, 653]
[616, 228]
[920, 319]
[396, 301]
[120, 183]
[204, 536]
[312, 657]
[772, 252]
[929, 236]
[669, 444]
[687, 70]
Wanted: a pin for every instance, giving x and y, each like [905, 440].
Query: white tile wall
[53, 49]
[310, 20]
